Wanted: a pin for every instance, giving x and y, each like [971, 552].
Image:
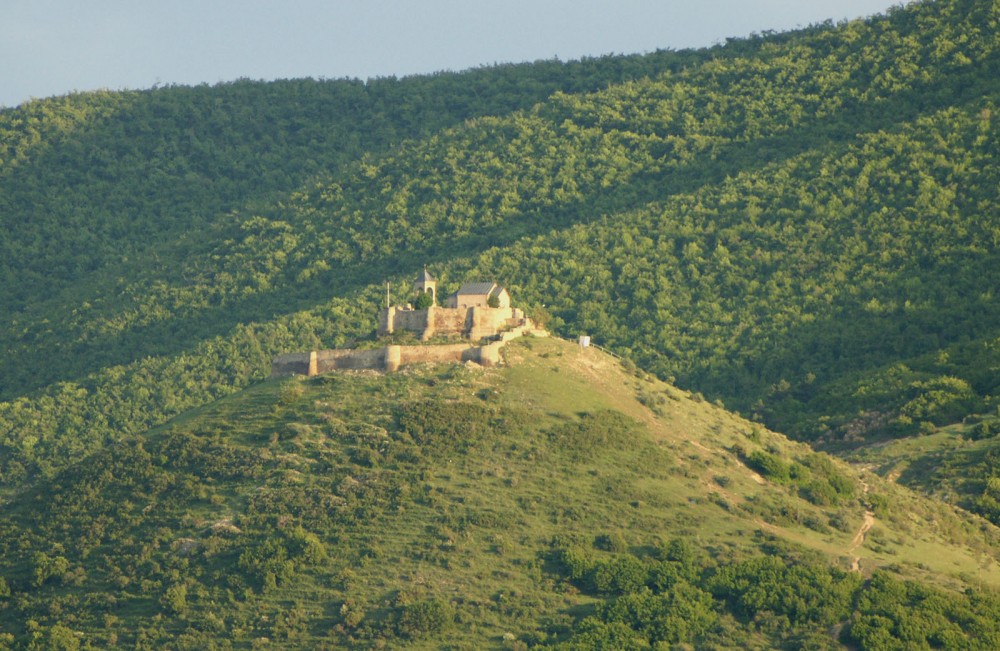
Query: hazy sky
[52, 47]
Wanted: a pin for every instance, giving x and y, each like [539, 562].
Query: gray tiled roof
[425, 277]
[476, 288]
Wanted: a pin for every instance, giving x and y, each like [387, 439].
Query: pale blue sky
[52, 47]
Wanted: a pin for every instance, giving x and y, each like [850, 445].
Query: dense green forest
[92, 180]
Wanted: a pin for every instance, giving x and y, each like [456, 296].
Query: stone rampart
[388, 358]
[291, 364]
[474, 323]
[332, 360]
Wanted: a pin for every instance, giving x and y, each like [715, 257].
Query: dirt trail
[859, 537]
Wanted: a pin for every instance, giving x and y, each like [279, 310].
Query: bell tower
[426, 284]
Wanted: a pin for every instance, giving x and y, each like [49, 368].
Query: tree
[175, 599]
[424, 301]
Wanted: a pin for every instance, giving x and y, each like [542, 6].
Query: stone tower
[426, 283]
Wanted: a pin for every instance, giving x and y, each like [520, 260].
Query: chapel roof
[478, 288]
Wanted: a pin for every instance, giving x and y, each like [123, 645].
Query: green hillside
[558, 502]
[802, 227]
[957, 464]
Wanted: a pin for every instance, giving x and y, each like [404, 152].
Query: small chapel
[475, 311]
[479, 295]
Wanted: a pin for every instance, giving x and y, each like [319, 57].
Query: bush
[617, 575]
[806, 595]
[820, 493]
[770, 467]
[447, 424]
[984, 430]
[56, 638]
[939, 401]
[423, 617]
[611, 542]
[577, 562]
[47, 567]
[423, 301]
[928, 617]
[592, 633]
[621, 575]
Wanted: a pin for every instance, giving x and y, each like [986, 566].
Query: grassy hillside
[802, 225]
[561, 501]
[957, 464]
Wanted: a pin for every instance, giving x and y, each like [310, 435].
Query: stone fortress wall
[392, 358]
[473, 323]
[387, 358]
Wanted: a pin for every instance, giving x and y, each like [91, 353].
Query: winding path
[859, 537]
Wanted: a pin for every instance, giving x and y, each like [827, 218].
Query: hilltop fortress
[477, 312]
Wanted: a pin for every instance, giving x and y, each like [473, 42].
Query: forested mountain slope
[90, 180]
[782, 222]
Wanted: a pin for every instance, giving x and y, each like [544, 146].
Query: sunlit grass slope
[458, 507]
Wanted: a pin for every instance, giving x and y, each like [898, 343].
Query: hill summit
[480, 313]
[561, 500]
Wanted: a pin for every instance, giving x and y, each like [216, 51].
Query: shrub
[592, 633]
[804, 594]
[47, 567]
[621, 575]
[770, 466]
[939, 401]
[820, 493]
[306, 546]
[446, 424]
[577, 562]
[983, 430]
[682, 615]
[423, 617]
[611, 542]
[56, 638]
[423, 301]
